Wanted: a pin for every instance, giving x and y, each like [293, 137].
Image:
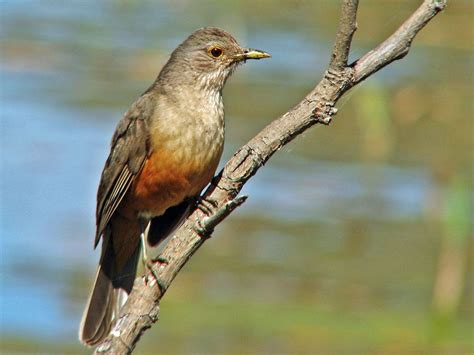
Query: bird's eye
[215, 52]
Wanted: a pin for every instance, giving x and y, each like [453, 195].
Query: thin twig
[347, 27]
[398, 44]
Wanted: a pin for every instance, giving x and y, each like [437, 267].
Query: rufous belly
[166, 181]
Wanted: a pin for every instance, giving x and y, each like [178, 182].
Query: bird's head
[209, 56]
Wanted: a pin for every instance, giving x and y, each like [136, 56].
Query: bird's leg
[143, 225]
[147, 262]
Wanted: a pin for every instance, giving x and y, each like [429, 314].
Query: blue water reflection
[51, 160]
[323, 190]
[59, 109]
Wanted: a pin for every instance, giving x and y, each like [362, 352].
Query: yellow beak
[254, 54]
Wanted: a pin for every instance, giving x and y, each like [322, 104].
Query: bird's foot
[150, 264]
[161, 259]
[202, 229]
[207, 206]
[205, 227]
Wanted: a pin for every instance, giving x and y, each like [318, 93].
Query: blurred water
[52, 157]
[68, 73]
[323, 190]
[48, 162]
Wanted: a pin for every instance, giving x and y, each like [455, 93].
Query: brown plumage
[164, 151]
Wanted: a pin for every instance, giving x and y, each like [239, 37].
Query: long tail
[110, 291]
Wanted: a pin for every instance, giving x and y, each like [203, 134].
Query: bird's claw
[202, 230]
[206, 205]
[149, 264]
[151, 267]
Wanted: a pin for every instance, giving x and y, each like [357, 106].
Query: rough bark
[221, 198]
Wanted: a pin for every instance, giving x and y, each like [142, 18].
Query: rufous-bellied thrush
[164, 151]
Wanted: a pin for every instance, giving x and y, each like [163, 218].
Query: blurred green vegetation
[348, 283]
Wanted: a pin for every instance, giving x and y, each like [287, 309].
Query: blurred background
[356, 237]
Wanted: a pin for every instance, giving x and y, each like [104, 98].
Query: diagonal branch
[142, 307]
[398, 44]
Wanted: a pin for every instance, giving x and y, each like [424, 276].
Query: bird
[164, 151]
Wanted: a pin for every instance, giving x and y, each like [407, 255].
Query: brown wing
[129, 150]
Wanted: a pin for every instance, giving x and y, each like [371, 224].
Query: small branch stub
[324, 115]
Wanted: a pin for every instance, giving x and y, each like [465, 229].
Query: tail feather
[109, 293]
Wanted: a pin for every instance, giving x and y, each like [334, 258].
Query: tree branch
[347, 27]
[220, 199]
[399, 43]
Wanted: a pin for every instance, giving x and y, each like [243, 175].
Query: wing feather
[128, 153]
[116, 196]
